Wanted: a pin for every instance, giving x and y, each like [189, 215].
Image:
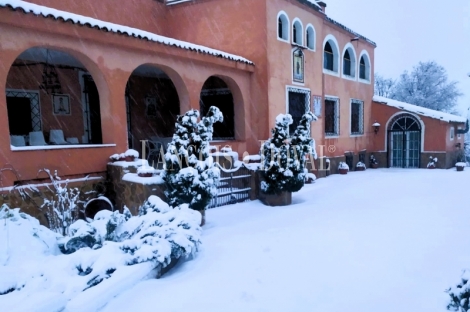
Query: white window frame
[337, 116]
[336, 62]
[285, 27]
[300, 35]
[368, 67]
[312, 40]
[458, 132]
[352, 53]
[361, 118]
[452, 133]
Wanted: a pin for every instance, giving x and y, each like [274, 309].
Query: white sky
[409, 31]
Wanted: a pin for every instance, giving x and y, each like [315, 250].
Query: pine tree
[190, 175]
[283, 158]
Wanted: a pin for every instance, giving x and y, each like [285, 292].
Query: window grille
[299, 104]
[357, 117]
[35, 106]
[331, 117]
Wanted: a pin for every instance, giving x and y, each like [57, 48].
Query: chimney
[323, 6]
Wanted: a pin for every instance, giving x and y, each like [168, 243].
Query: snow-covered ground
[383, 240]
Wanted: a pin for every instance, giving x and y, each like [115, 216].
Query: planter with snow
[131, 155]
[343, 168]
[114, 157]
[360, 166]
[146, 171]
[373, 163]
[460, 166]
[432, 163]
[310, 178]
[281, 199]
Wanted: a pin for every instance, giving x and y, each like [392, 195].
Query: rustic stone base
[283, 199]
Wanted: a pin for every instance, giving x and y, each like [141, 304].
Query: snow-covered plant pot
[432, 163]
[373, 163]
[310, 178]
[343, 168]
[360, 166]
[122, 157]
[283, 160]
[131, 155]
[460, 166]
[146, 171]
[114, 157]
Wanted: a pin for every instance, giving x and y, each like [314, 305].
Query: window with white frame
[458, 132]
[283, 27]
[310, 37]
[330, 55]
[349, 62]
[452, 133]
[297, 32]
[357, 117]
[331, 116]
[364, 67]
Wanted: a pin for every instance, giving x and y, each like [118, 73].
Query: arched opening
[282, 27]
[364, 67]
[404, 137]
[349, 62]
[215, 92]
[52, 99]
[310, 37]
[297, 32]
[152, 105]
[330, 55]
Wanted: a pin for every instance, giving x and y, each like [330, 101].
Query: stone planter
[343, 171]
[460, 168]
[282, 199]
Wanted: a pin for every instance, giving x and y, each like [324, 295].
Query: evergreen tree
[190, 175]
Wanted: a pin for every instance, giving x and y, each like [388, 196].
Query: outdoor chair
[36, 138]
[56, 137]
[17, 140]
[73, 140]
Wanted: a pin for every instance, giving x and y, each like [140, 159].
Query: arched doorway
[51, 99]
[404, 137]
[215, 92]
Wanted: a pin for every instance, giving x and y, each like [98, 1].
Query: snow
[54, 147]
[116, 28]
[247, 158]
[127, 164]
[35, 186]
[134, 178]
[146, 169]
[460, 164]
[386, 244]
[131, 153]
[419, 110]
[343, 165]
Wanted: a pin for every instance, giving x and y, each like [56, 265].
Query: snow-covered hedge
[105, 256]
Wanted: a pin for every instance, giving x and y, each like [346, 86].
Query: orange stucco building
[107, 76]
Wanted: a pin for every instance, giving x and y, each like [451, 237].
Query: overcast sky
[409, 31]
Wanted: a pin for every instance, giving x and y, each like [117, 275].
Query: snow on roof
[419, 110]
[116, 28]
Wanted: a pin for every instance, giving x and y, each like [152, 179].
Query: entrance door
[299, 104]
[405, 143]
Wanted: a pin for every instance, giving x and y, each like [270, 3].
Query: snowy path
[380, 240]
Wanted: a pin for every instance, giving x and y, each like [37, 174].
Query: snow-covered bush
[460, 164]
[460, 295]
[432, 162]
[115, 157]
[360, 164]
[190, 174]
[372, 160]
[131, 153]
[62, 209]
[283, 158]
[343, 165]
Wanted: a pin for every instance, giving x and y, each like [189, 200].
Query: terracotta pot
[460, 168]
[129, 158]
[374, 166]
[432, 167]
[145, 175]
[343, 171]
[360, 168]
[282, 199]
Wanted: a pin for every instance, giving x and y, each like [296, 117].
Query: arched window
[310, 38]
[282, 26]
[349, 61]
[297, 32]
[404, 135]
[330, 55]
[364, 67]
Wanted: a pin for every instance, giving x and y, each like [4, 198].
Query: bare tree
[383, 86]
[427, 85]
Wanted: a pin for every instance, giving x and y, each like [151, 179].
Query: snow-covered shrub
[360, 164]
[460, 295]
[372, 160]
[190, 174]
[461, 164]
[131, 153]
[115, 157]
[283, 158]
[343, 165]
[62, 209]
[432, 162]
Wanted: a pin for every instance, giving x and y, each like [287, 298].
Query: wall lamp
[376, 126]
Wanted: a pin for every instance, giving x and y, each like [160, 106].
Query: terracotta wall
[29, 78]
